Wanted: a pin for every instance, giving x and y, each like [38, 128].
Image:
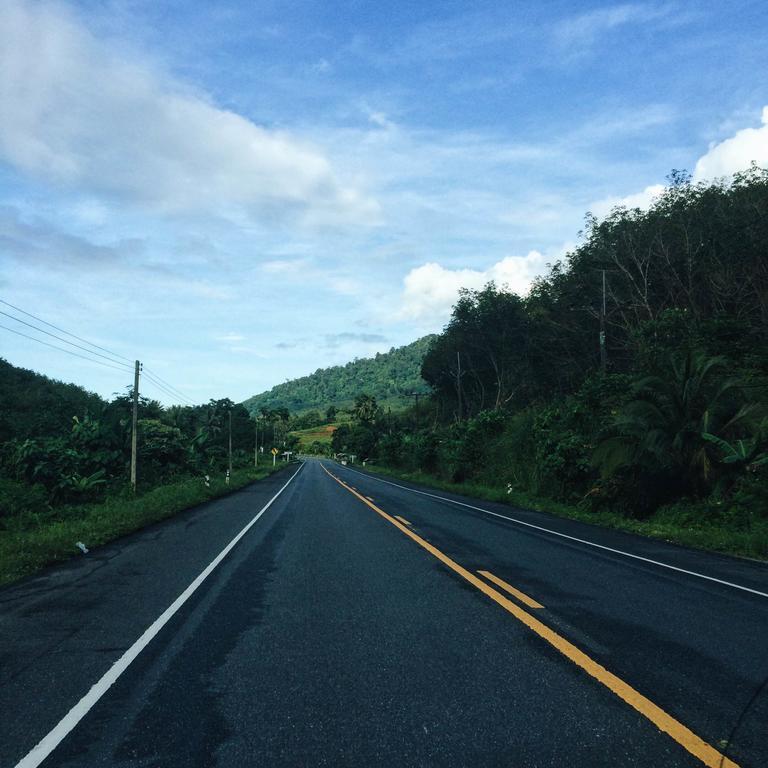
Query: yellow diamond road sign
[274, 451]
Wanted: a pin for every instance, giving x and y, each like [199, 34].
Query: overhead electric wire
[148, 374]
[116, 364]
[74, 336]
[173, 398]
[159, 389]
[157, 376]
[61, 349]
[166, 389]
[71, 343]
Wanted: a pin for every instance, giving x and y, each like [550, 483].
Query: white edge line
[566, 536]
[52, 740]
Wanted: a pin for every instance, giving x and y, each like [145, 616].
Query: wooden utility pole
[230, 441]
[458, 381]
[256, 445]
[416, 395]
[603, 350]
[135, 425]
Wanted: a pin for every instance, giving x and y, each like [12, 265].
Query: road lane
[328, 638]
[62, 629]
[697, 648]
[690, 741]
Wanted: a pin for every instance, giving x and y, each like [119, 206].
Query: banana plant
[81, 485]
[743, 453]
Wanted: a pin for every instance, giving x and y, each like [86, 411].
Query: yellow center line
[686, 738]
[401, 519]
[521, 596]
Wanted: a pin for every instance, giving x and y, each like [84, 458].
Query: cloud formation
[642, 200]
[77, 114]
[333, 340]
[584, 29]
[431, 290]
[736, 153]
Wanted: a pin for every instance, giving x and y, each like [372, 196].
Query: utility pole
[230, 441]
[603, 350]
[458, 381]
[256, 446]
[135, 425]
[416, 395]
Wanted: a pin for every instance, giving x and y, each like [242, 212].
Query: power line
[178, 392]
[61, 349]
[53, 335]
[166, 388]
[175, 396]
[160, 389]
[162, 385]
[74, 336]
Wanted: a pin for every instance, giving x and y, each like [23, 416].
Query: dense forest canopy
[387, 376]
[676, 407]
[690, 272]
[61, 444]
[32, 404]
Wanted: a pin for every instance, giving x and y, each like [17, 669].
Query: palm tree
[365, 408]
[664, 429]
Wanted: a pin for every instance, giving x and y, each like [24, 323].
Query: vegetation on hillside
[677, 418]
[65, 459]
[388, 377]
[63, 446]
[32, 404]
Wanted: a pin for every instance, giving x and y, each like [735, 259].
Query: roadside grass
[687, 523]
[32, 540]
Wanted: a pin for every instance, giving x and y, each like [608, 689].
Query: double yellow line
[708, 755]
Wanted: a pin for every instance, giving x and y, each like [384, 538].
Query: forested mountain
[32, 404]
[386, 377]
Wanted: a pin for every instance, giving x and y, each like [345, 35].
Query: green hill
[33, 405]
[386, 376]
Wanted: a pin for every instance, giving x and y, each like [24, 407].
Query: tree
[365, 408]
[667, 428]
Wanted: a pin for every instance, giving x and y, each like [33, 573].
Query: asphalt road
[361, 623]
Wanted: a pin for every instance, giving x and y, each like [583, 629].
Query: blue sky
[240, 193]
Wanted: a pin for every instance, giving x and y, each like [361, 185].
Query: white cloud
[231, 338]
[642, 200]
[431, 290]
[586, 28]
[79, 114]
[284, 266]
[736, 153]
[345, 286]
[322, 66]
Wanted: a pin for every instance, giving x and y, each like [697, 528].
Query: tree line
[675, 406]
[60, 444]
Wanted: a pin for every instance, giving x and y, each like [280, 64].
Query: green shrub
[17, 499]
